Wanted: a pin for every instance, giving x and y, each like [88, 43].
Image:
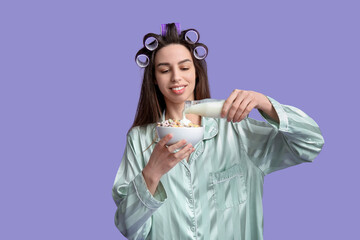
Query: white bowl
[192, 135]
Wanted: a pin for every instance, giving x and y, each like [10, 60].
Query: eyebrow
[167, 64]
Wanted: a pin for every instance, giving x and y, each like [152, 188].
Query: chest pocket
[228, 187]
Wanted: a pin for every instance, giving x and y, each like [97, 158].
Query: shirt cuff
[283, 119]
[144, 194]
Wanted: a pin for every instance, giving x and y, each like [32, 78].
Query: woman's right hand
[163, 159]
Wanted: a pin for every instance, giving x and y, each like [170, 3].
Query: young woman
[212, 190]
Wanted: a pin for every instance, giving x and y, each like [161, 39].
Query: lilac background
[69, 90]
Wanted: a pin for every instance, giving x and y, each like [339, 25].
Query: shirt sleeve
[273, 146]
[135, 204]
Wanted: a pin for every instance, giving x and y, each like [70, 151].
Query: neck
[174, 112]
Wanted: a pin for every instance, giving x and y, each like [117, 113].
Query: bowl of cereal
[179, 130]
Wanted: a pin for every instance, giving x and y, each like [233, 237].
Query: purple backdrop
[69, 90]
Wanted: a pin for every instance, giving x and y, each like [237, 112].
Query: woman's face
[175, 73]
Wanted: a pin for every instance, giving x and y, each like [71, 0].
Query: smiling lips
[178, 90]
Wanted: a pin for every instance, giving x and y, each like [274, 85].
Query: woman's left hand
[240, 103]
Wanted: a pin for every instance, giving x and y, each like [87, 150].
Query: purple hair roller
[164, 29]
[178, 28]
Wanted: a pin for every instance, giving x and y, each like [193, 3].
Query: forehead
[172, 53]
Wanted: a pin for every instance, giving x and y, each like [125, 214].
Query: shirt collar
[211, 127]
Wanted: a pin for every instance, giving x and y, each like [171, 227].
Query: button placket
[191, 200]
[192, 206]
[199, 150]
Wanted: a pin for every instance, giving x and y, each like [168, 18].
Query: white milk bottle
[205, 107]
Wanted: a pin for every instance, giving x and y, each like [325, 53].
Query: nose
[176, 75]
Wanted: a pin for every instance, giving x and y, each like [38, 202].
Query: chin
[179, 100]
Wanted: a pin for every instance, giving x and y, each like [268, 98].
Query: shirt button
[190, 201]
[193, 229]
[188, 174]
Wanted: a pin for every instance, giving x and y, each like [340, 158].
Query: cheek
[156, 78]
[161, 84]
[193, 78]
[159, 80]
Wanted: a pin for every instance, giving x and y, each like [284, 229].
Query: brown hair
[151, 102]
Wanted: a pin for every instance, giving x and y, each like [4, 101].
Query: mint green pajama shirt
[217, 194]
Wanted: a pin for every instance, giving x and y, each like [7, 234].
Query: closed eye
[168, 70]
[164, 71]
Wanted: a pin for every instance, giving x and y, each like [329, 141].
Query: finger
[248, 109]
[228, 102]
[165, 139]
[184, 152]
[237, 105]
[186, 149]
[244, 104]
[177, 145]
